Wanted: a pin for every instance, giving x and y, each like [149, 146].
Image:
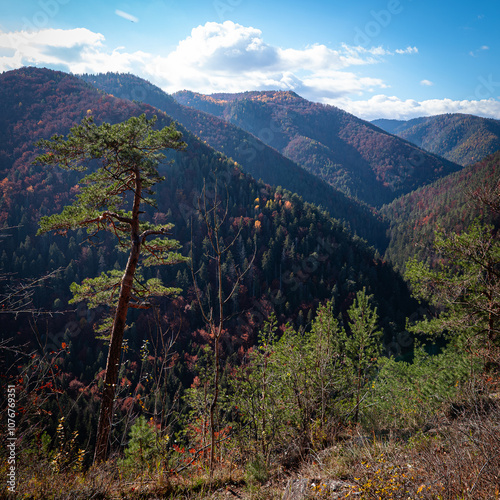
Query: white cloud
[383, 106]
[48, 46]
[232, 58]
[426, 83]
[333, 84]
[219, 48]
[77, 50]
[35, 44]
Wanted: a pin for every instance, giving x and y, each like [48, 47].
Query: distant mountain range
[257, 130]
[257, 158]
[463, 139]
[355, 156]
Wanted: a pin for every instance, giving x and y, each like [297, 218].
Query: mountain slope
[447, 203]
[463, 139]
[302, 255]
[351, 154]
[255, 157]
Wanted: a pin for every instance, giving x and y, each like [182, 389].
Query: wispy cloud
[408, 50]
[426, 83]
[127, 16]
[474, 53]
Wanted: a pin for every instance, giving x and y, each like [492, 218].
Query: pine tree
[127, 154]
[363, 346]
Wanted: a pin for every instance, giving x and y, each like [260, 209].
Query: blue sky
[387, 58]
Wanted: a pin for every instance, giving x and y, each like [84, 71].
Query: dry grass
[458, 459]
[109, 481]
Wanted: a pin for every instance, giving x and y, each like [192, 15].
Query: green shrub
[142, 446]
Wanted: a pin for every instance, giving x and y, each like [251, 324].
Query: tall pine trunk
[117, 331]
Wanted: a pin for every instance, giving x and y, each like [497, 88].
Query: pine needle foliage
[463, 287]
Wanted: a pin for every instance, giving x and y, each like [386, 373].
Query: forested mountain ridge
[349, 153]
[252, 154]
[303, 256]
[463, 139]
[448, 203]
